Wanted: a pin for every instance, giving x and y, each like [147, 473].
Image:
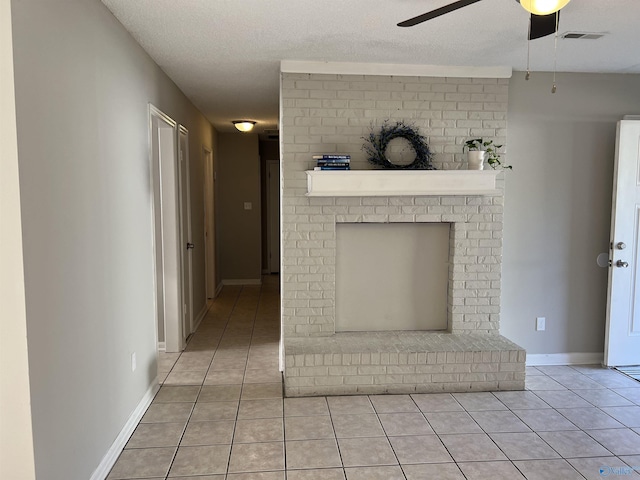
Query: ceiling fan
[544, 15]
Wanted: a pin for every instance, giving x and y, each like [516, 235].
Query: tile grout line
[512, 405]
[184, 429]
[438, 435]
[235, 423]
[554, 409]
[387, 436]
[284, 433]
[215, 349]
[335, 436]
[503, 452]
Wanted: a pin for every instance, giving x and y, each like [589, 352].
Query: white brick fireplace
[330, 113]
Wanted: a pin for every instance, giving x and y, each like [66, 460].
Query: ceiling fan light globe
[543, 7]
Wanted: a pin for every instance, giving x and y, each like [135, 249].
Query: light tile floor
[220, 415]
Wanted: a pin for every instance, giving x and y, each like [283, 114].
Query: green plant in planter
[491, 156]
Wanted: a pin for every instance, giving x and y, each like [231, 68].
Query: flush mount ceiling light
[543, 7]
[244, 125]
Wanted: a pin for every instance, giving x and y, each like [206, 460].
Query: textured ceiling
[225, 54]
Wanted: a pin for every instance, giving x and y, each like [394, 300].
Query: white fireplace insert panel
[391, 276]
[368, 183]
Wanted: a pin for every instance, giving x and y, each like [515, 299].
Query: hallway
[220, 415]
[230, 366]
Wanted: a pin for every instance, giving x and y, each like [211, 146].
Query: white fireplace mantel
[392, 183]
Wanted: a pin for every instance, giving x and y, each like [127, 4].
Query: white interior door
[622, 341]
[273, 214]
[185, 230]
[209, 232]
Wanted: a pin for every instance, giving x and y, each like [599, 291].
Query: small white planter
[475, 160]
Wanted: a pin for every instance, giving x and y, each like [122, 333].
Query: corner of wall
[16, 437]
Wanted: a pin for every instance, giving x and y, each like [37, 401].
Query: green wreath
[376, 146]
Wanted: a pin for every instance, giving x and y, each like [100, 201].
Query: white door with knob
[622, 339]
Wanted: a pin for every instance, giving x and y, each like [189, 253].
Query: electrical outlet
[134, 362]
[248, 206]
[540, 323]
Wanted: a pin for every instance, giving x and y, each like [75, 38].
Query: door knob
[190, 245]
[621, 245]
[621, 264]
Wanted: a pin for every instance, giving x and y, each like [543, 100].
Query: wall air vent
[272, 134]
[582, 36]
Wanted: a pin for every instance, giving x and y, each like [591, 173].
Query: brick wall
[332, 114]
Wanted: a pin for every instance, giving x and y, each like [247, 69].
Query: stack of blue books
[331, 161]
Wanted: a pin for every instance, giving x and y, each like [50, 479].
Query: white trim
[209, 220]
[219, 288]
[242, 281]
[185, 223]
[155, 111]
[398, 69]
[174, 337]
[121, 440]
[281, 358]
[575, 358]
[155, 248]
[271, 210]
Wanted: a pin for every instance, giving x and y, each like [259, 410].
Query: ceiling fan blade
[543, 25]
[437, 12]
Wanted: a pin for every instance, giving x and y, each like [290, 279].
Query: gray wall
[558, 207]
[82, 91]
[238, 230]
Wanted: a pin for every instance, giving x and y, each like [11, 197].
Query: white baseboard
[242, 281]
[575, 358]
[162, 347]
[218, 289]
[200, 316]
[118, 445]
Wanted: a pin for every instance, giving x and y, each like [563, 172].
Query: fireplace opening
[391, 276]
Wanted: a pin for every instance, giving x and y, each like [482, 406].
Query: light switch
[248, 206]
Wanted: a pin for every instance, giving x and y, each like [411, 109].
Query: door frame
[184, 194]
[209, 222]
[270, 212]
[165, 209]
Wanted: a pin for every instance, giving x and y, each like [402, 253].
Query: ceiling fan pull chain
[555, 56]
